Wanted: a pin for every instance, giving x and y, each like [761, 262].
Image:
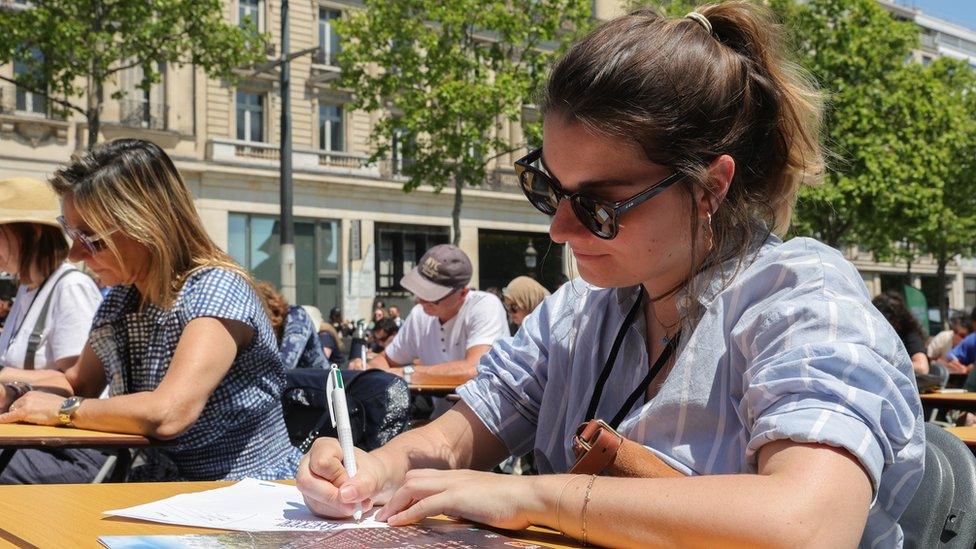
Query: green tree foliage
[857, 52]
[72, 48]
[443, 74]
[934, 138]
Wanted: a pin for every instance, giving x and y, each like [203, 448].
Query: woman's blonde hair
[131, 186]
[687, 91]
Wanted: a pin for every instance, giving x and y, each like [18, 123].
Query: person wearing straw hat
[48, 324]
[33, 249]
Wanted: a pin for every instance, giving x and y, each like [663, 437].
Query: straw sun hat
[26, 200]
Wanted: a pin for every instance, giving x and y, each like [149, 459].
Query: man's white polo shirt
[481, 321]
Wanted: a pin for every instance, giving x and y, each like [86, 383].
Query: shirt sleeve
[488, 322]
[964, 351]
[940, 344]
[218, 293]
[824, 367]
[403, 348]
[69, 319]
[507, 392]
[913, 344]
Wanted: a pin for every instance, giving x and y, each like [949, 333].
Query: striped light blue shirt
[789, 347]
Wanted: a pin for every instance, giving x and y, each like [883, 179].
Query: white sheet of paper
[249, 506]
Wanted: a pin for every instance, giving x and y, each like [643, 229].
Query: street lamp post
[286, 222]
[284, 167]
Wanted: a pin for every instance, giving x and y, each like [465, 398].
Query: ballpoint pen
[336, 394]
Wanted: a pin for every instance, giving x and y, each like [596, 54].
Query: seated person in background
[382, 335]
[892, 306]
[452, 325]
[785, 409]
[298, 340]
[34, 249]
[522, 295]
[329, 339]
[182, 340]
[395, 315]
[941, 343]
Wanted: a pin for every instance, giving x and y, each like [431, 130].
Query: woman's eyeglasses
[600, 217]
[93, 244]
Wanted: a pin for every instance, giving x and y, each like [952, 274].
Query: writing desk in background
[966, 434]
[422, 383]
[70, 515]
[18, 436]
[949, 401]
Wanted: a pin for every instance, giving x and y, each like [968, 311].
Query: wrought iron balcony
[138, 113]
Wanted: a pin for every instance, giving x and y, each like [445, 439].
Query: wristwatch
[408, 370]
[67, 410]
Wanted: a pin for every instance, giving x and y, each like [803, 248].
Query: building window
[331, 128]
[250, 116]
[399, 248]
[143, 108]
[402, 150]
[28, 101]
[969, 287]
[254, 241]
[249, 14]
[328, 38]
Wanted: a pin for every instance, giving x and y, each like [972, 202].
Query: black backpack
[378, 404]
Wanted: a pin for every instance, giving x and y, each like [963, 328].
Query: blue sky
[961, 12]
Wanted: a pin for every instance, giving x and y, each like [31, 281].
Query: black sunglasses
[600, 217]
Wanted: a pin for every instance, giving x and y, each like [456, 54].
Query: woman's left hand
[502, 501]
[35, 407]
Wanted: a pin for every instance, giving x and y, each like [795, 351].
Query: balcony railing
[137, 113]
[327, 58]
[302, 159]
[27, 115]
[21, 102]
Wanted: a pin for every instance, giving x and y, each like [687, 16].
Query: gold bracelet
[586, 501]
[559, 501]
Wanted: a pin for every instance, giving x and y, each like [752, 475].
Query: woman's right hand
[327, 488]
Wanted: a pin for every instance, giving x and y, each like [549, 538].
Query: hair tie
[701, 20]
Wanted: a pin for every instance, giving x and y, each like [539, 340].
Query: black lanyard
[662, 359]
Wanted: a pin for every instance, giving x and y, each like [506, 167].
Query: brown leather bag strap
[595, 446]
[599, 449]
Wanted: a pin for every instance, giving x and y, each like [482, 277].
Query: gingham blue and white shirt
[791, 348]
[241, 431]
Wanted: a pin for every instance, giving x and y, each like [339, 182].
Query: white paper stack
[248, 506]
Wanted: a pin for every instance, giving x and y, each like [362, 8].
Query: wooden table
[70, 515]
[18, 436]
[949, 401]
[422, 383]
[967, 434]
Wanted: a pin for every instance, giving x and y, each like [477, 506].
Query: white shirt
[481, 321]
[940, 344]
[69, 317]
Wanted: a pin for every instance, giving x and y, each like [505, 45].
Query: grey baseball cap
[443, 269]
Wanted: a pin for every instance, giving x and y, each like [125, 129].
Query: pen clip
[330, 386]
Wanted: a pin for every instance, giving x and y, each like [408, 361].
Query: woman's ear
[720, 174]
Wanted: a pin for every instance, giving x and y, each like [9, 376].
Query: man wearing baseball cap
[452, 325]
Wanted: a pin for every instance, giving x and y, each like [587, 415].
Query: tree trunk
[96, 99]
[456, 212]
[96, 83]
